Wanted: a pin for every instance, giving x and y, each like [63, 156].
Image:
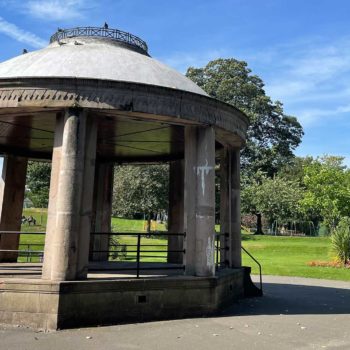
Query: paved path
[295, 313]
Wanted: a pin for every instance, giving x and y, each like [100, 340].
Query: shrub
[341, 240]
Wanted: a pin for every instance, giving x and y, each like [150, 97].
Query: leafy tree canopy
[140, 189]
[276, 198]
[327, 189]
[38, 183]
[272, 135]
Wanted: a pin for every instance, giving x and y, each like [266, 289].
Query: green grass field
[284, 256]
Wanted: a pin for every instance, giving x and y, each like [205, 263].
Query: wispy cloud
[311, 79]
[21, 35]
[310, 115]
[57, 10]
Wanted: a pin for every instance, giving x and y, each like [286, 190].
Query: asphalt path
[295, 313]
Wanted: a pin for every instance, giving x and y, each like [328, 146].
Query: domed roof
[83, 54]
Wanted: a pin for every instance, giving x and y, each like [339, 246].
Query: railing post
[259, 265]
[217, 251]
[138, 255]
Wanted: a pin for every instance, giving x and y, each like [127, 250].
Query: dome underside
[95, 59]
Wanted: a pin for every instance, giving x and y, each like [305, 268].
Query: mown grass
[289, 256]
[284, 256]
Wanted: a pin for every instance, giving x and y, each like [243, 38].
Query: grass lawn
[288, 256]
[284, 256]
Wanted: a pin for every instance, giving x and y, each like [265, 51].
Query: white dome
[95, 58]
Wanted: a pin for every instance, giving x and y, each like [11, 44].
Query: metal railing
[224, 263]
[29, 252]
[138, 253]
[114, 34]
[259, 265]
[219, 263]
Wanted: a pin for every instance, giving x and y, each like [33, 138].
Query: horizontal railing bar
[137, 233]
[141, 268]
[135, 245]
[21, 233]
[153, 256]
[32, 244]
[135, 251]
[20, 251]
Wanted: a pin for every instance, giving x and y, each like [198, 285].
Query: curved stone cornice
[123, 96]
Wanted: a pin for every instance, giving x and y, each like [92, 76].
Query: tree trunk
[259, 230]
[149, 223]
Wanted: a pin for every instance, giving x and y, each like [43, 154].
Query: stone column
[225, 207]
[176, 210]
[200, 201]
[70, 200]
[230, 210]
[102, 213]
[12, 186]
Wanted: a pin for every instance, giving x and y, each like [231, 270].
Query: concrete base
[56, 305]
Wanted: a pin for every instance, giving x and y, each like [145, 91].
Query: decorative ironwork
[114, 34]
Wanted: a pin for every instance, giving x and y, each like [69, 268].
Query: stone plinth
[54, 305]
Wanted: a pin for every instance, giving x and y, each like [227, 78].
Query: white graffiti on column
[202, 171]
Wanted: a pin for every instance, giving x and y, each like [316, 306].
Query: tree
[250, 186]
[38, 183]
[327, 195]
[276, 198]
[294, 170]
[140, 189]
[272, 135]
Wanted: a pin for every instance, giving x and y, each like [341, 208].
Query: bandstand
[93, 98]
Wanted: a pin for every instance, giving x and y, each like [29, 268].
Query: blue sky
[301, 49]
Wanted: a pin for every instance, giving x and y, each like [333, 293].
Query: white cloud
[21, 35]
[309, 116]
[57, 10]
[311, 78]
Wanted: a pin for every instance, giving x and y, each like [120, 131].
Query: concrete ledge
[57, 305]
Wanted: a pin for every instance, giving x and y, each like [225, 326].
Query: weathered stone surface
[12, 186]
[70, 202]
[230, 211]
[57, 305]
[200, 201]
[157, 101]
[176, 211]
[102, 211]
[95, 58]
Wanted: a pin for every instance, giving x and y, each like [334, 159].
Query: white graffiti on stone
[203, 171]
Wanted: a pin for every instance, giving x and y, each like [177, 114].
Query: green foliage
[272, 135]
[327, 190]
[140, 189]
[294, 170]
[276, 198]
[341, 240]
[38, 183]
